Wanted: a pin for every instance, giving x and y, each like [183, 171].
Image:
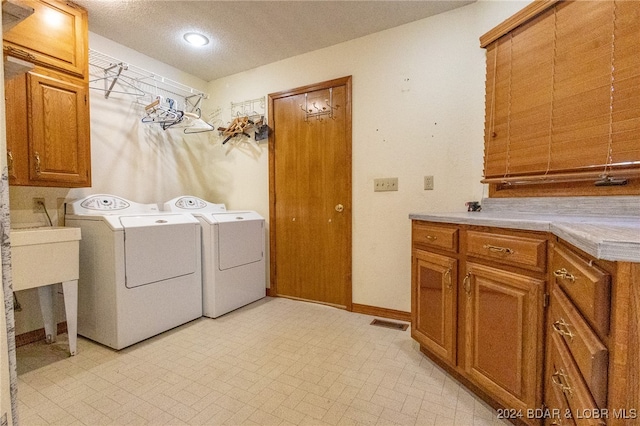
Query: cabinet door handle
[19, 52]
[562, 328]
[37, 158]
[563, 274]
[447, 278]
[467, 284]
[560, 379]
[497, 249]
[9, 160]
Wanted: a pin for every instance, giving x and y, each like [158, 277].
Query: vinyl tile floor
[274, 362]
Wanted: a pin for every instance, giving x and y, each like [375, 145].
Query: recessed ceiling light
[196, 39]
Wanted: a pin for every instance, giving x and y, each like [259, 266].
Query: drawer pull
[560, 379]
[37, 158]
[430, 237]
[467, 284]
[497, 249]
[564, 275]
[562, 328]
[447, 278]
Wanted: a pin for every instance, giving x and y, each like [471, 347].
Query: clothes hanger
[116, 78]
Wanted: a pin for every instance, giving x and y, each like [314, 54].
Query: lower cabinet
[434, 303]
[504, 323]
[477, 314]
[540, 330]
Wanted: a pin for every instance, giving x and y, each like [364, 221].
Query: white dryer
[233, 258]
[140, 270]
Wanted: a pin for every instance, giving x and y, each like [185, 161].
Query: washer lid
[159, 248]
[136, 221]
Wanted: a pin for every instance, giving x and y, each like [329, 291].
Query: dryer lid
[240, 243]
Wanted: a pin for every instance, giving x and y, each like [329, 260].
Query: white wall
[137, 161]
[418, 109]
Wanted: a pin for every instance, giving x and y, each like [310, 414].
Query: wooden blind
[563, 95]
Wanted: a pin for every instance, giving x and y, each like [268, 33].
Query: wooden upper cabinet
[15, 94]
[55, 35]
[59, 152]
[47, 129]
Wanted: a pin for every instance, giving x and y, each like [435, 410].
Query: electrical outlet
[428, 182]
[385, 184]
[38, 205]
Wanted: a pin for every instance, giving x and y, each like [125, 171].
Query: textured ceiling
[246, 34]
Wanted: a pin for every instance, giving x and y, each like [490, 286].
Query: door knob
[339, 208]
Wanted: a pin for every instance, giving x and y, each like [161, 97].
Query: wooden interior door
[310, 192]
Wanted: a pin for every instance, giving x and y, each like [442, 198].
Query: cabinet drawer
[557, 406]
[513, 250]
[587, 286]
[590, 355]
[435, 236]
[565, 378]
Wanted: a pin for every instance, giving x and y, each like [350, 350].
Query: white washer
[140, 270]
[233, 258]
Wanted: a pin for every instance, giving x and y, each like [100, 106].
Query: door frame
[343, 81]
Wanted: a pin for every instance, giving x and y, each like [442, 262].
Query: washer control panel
[105, 202]
[193, 205]
[190, 203]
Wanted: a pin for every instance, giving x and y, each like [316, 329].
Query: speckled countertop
[605, 227]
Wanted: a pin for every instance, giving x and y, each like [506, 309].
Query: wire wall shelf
[115, 76]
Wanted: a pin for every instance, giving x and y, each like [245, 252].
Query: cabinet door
[59, 153]
[15, 96]
[54, 35]
[433, 299]
[503, 334]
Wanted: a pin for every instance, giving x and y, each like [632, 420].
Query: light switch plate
[385, 184]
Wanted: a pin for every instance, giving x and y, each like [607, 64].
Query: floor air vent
[390, 324]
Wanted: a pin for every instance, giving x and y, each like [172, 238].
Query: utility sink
[44, 256]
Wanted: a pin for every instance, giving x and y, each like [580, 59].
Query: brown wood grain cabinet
[48, 137]
[434, 303]
[504, 321]
[529, 322]
[478, 315]
[55, 36]
[592, 338]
